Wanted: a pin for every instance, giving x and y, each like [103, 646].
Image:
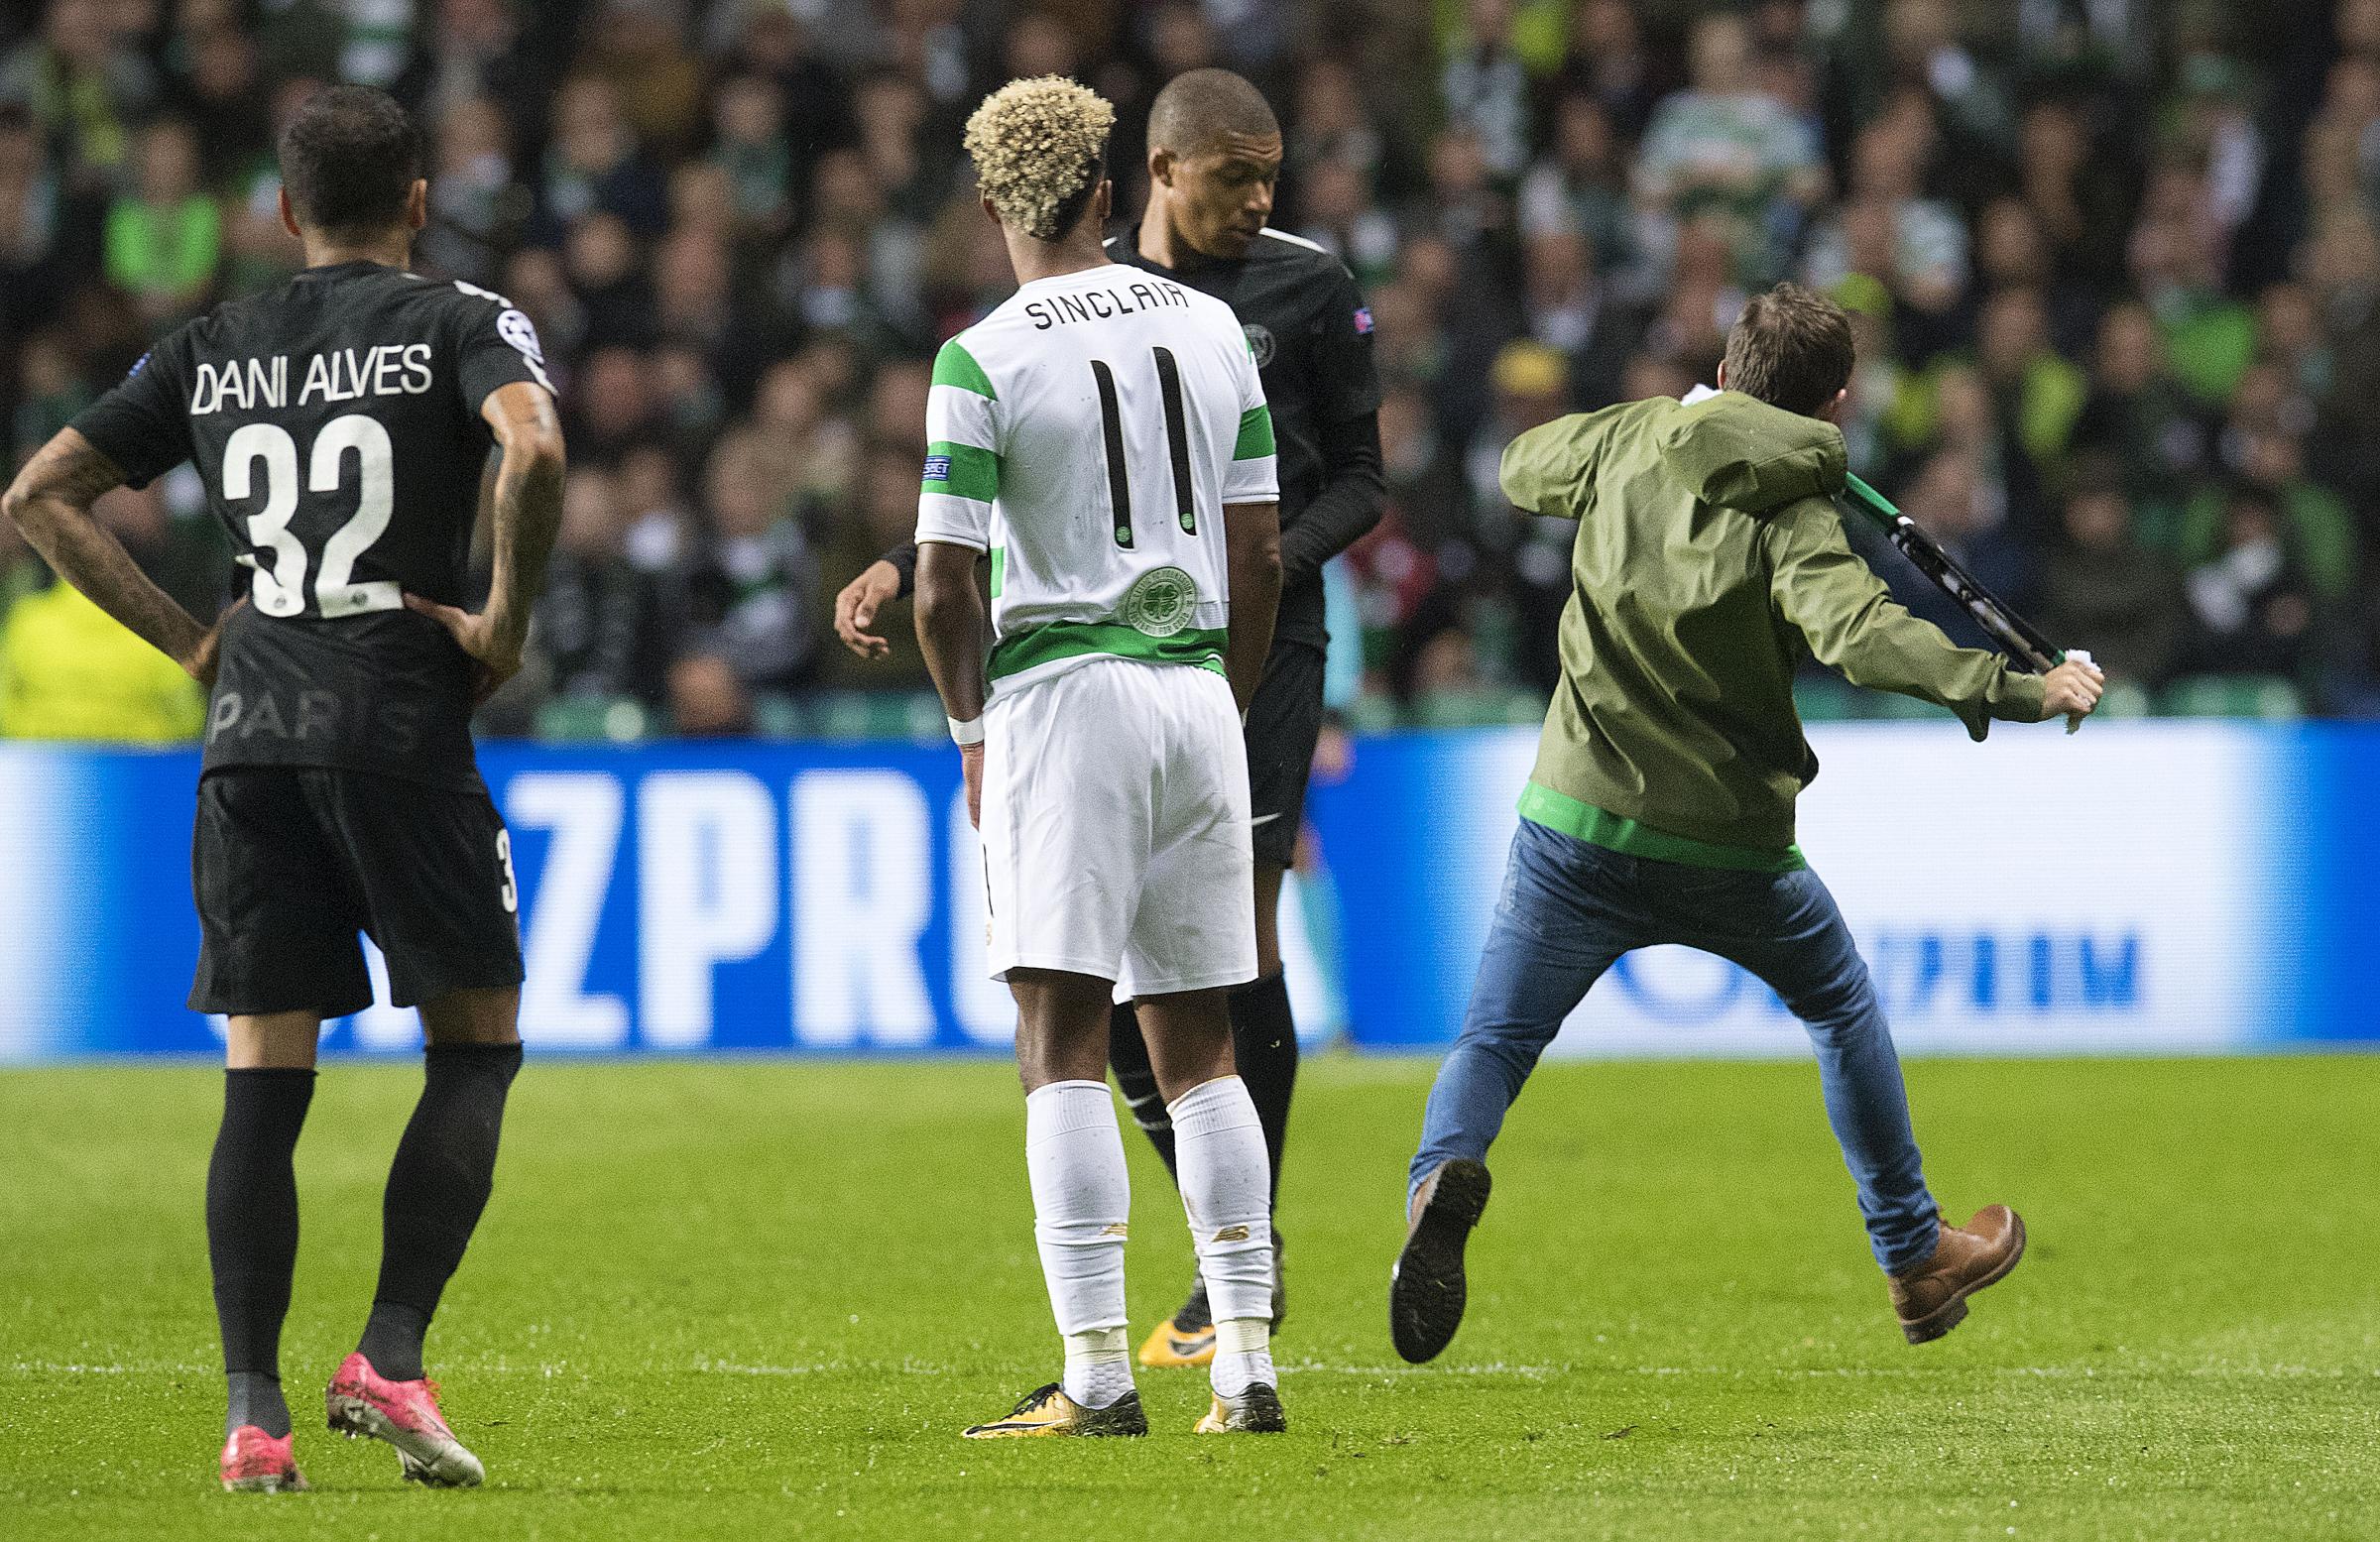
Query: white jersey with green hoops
[1088, 434]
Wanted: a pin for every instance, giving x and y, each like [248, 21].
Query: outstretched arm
[528, 510]
[51, 502]
[1853, 625]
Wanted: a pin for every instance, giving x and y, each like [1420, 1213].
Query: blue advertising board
[2139, 888]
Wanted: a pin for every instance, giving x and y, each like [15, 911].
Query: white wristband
[968, 732]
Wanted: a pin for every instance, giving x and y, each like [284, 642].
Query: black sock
[1137, 1079]
[437, 1186]
[255, 1400]
[1264, 1043]
[252, 1235]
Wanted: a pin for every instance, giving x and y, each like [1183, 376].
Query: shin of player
[1099, 733]
[306, 838]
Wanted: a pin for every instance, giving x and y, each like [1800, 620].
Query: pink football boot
[256, 1462]
[361, 1401]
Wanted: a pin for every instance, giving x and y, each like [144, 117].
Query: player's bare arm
[878, 585]
[951, 626]
[527, 513]
[1253, 535]
[51, 502]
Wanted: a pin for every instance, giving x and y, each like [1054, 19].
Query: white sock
[1099, 1366]
[1082, 1199]
[1243, 1354]
[1227, 1189]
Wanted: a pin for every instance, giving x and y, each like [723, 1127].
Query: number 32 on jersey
[283, 560]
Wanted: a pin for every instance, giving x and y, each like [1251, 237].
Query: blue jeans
[1570, 908]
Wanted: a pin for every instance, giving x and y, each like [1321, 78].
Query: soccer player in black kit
[1214, 153]
[341, 424]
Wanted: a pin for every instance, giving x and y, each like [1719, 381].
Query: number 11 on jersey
[1177, 444]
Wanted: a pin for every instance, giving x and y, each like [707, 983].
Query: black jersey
[335, 424]
[1310, 333]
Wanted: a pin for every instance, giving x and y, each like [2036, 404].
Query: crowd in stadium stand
[2114, 266]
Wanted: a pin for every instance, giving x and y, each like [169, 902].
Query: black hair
[349, 160]
[1198, 109]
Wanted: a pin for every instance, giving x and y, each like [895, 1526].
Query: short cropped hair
[349, 160]
[1200, 106]
[1040, 150]
[1792, 348]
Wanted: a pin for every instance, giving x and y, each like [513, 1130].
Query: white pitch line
[1373, 1372]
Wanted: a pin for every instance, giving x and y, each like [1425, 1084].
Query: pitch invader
[1102, 438]
[340, 424]
[1214, 153]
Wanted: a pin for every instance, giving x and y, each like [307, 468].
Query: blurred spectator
[2139, 415]
[1573, 311]
[70, 672]
[81, 81]
[595, 165]
[477, 206]
[2177, 261]
[602, 628]
[1582, 186]
[1887, 231]
[752, 147]
[166, 236]
[218, 97]
[2256, 608]
[706, 699]
[1610, 64]
[1946, 499]
[1485, 90]
[1726, 145]
[2106, 592]
[751, 592]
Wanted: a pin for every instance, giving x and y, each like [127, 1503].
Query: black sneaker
[1257, 1411]
[1425, 1287]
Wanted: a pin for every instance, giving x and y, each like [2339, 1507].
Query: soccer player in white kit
[1102, 441]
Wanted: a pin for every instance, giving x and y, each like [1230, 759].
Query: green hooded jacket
[1710, 556]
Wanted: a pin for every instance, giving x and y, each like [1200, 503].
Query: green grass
[757, 1298]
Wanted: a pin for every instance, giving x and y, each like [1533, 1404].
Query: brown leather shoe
[1931, 1299]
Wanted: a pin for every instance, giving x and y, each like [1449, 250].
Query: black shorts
[1283, 723]
[291, 862]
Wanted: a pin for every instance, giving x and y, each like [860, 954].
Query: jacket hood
[1738, 453]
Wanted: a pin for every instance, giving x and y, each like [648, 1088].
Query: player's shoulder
[1295, 257]
[967, 360]
[457, 298]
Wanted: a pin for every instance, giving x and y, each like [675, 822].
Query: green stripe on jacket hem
[1076, 638]
[1566, 815]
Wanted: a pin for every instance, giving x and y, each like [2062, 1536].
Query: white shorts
[1115, 828]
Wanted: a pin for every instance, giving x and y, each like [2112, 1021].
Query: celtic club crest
[1158, 605]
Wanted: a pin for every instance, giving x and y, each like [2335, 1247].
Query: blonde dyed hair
[1038, 148]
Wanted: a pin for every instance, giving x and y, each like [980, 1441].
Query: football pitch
[759, 1299]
